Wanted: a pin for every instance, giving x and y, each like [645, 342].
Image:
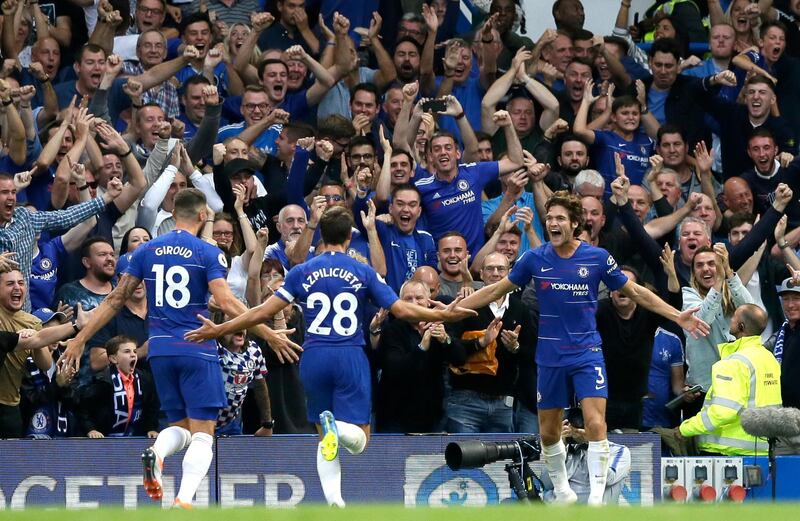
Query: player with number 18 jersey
[177, 268]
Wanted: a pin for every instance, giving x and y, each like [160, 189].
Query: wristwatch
[269, 424]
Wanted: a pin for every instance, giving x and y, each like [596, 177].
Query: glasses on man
[334, 198]
[253, 106]
[403, 31]
[148, 10]
[361, 157]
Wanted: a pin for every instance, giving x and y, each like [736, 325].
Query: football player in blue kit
[179, 271]
[331, 289]
[566, 273]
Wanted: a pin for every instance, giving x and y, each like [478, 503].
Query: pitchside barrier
[281, 472]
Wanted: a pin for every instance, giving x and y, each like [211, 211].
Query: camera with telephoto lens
[473, 454]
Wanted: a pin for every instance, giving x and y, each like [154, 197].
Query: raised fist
[37, 71]
[324, 149]
[501, 118]
[133, 89]
[261, 21]
[210, 95]
[410, 91]
[191, 52]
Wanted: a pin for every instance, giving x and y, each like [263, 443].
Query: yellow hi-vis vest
[747, 376]
[667, 8]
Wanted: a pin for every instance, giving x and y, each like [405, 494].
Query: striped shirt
[19, 234]
[238, 371]
[239, 12]
[164, 94]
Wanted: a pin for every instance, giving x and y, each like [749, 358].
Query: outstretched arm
[488, 294]
[649, 300]
[100, 317]
[247, 319]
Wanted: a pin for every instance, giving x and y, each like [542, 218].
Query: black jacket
[684, 107]
[96, 409]
[411, 388]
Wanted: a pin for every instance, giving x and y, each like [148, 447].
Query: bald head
[430, 277]
[737, 196]
[748, 320]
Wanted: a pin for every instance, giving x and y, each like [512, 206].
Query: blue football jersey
[177, 268]
[333, 289]
[667, 353]
[635, 155]
[567, 292]
[457, 205]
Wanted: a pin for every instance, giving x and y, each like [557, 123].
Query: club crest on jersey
[462, 185]
[612, 265]
[222, 260]
[583, 272]
[46, 263]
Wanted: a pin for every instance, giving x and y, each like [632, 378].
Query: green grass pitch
[717, 512]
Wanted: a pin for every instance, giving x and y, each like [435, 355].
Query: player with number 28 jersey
[332, 290]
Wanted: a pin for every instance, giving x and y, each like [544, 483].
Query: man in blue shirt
[721, 42]
[567, 273]
[291, 223]
[259, 119]
[179, 271]
[665, 379]
[332, 289]
[451, 198]
[193, 105]
[197, 32]
[89, 66]
[404, 247]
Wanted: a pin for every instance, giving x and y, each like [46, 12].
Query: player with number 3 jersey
[179, 270]
[566, 273]
[332, 289]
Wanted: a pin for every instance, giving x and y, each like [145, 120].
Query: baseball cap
[788, 287]
[123, 262]
[47, 314]
[238, 165]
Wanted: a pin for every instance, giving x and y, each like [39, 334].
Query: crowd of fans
[679, 133]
